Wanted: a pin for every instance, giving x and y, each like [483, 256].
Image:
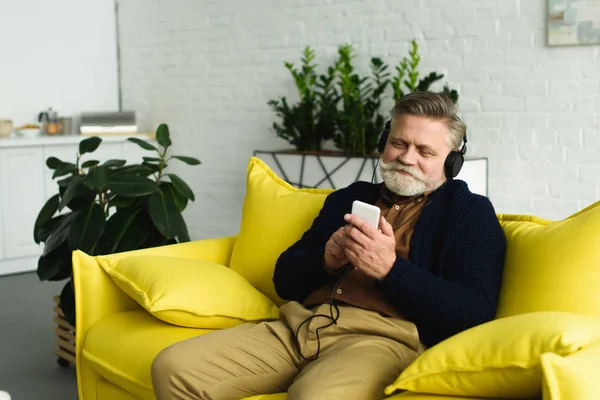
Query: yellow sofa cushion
[122, 346]
[552, 266]
[574, 376]
[499, 359]
[274, 216]
[189, 293]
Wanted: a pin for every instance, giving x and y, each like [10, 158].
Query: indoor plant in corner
[344, 107]
[109, 207]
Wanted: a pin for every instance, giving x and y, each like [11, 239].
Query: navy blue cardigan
[451, 281]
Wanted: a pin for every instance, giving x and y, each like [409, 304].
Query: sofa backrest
[550, 265]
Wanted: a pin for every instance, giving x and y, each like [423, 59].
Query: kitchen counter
[15, 141]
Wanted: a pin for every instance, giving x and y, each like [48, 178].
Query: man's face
[413, 160]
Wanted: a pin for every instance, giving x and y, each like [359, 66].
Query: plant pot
[320, 169]
[65, 337]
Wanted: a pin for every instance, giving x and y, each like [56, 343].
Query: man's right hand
[335, 256]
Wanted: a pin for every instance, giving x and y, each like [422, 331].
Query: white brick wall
[209, 67]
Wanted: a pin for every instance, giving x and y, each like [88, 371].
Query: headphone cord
[375, 170]
[334, 319]
[332, 303]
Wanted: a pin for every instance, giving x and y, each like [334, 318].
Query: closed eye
[427, 151]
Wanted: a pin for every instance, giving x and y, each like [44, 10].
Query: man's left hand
[371, 251]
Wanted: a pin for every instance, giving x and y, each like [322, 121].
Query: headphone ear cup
[453, 164]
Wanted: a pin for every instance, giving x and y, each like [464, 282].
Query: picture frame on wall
[573, 22]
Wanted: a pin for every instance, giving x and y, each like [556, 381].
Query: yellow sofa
[552, 277]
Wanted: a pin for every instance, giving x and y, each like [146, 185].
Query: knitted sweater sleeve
[467, 293]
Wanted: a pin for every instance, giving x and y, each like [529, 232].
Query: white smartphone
[367, 212]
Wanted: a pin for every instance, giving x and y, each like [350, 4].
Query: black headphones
[453, 163]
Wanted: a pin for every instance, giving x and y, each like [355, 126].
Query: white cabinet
[26, 183]
[1, 224]
[22, 182]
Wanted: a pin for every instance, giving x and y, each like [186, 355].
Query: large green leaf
[121, 202]
[180, 200]
[46, 213]
[71, 192]
[65, 182]
[96, 177]
[154, 168]
[52, 162]
[151, 159]
[131, 185]
[83, 198]
[163, 137]
[63, 169]
[188, 160]
[125, 230]
[49, 227]
[86, 228]
[143, 144]
[182, 187]
[164, 214]
[154, 239]
[114, 163]
[89, 145]
[90, 163]
[130, 170]
[60, 232]
[183, 234]
[138, 233]
[55, 266]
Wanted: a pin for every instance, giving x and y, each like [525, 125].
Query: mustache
[398, 166]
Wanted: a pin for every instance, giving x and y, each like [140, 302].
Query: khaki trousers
[359, 356]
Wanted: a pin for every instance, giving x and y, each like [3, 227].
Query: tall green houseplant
[407, 77]
[343, 105]
[310, 121]
[109, 207]
[359, 121]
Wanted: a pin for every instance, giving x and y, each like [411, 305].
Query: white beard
[404, 185]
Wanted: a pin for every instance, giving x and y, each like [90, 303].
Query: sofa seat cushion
[121, 348]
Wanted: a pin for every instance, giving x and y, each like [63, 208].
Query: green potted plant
[360, 121]
[109, 207]
[344, 107]
[407, 74]
[311, 120]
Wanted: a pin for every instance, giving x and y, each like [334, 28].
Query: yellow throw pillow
[552, 266]
[498, 359]
[573, 377]
[189, 293]
[274, 216]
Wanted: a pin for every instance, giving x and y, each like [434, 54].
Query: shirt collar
[390, 198]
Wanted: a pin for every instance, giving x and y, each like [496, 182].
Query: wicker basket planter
[65, 337]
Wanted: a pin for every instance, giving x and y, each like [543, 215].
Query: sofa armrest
[97, 296]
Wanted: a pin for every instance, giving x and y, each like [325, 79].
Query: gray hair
[437, 107]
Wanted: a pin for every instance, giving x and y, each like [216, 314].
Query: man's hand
[335, 258]
[371, 251]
